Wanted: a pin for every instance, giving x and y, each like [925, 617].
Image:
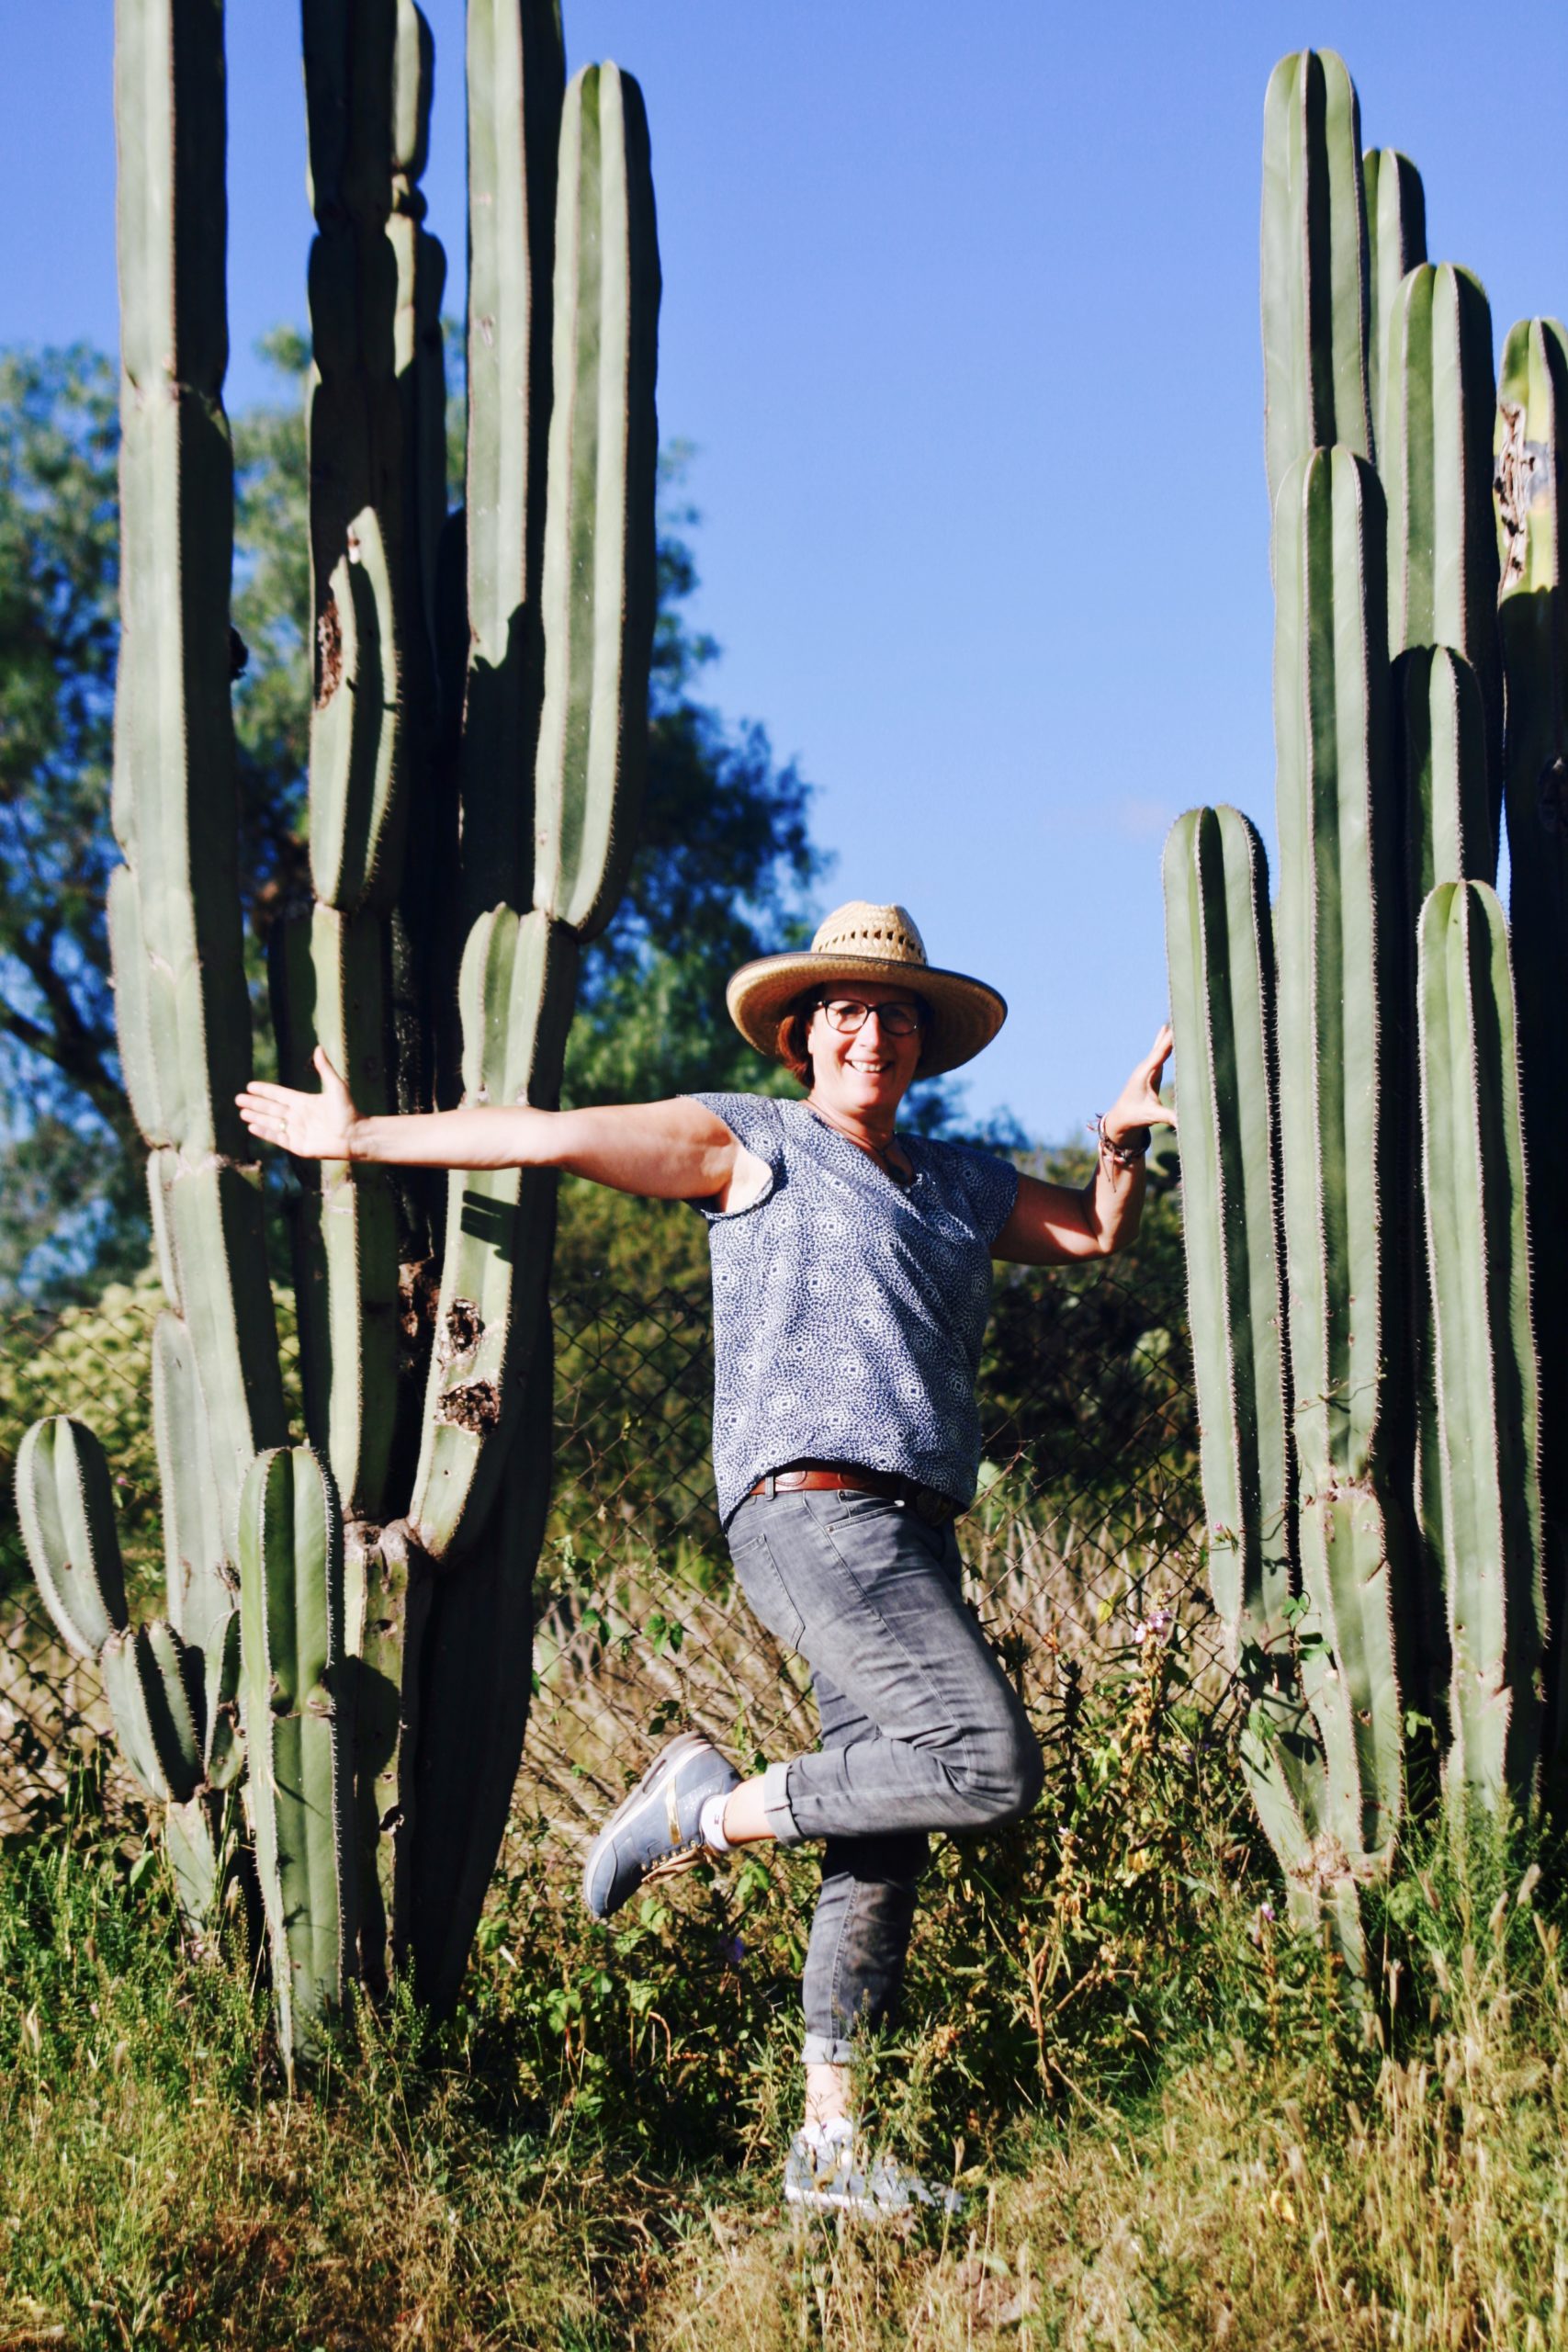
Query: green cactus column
[377, 502]
[1531, 453]
[182, 1010]
[1486, 1395]
[295, 1699]
[1435, 462]
[1340, 948]
[1317, 264]
[598, 594]
[1221, 995]
[182, 1007]
[517, 88]
[483, 1476]
[1396, 241]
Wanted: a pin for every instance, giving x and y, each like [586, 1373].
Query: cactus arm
[368, 81]
[1396, 236]
[1435, 462]
[65, 1504]
[516, 81]
[329, 989]
[216, 1229]
[297, 1736]
[1341, 959]
[391, 1586]
[1487, 1402]
[1316, 296]
[1532, 615]
[1441, 725]
[155, 1690]
[599, 588]
[1220, 954]
[1442, 758]
[200, 1587]
[475, 1697]
[517, 990]
[223, 1751]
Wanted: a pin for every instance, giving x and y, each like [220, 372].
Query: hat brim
[966, 1012]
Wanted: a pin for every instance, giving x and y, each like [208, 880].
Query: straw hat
[860, 942]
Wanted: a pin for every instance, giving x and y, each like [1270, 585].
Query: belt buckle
[934, 1509]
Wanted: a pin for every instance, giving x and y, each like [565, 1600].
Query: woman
[851, 1285]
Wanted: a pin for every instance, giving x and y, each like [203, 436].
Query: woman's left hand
[1138, 1105]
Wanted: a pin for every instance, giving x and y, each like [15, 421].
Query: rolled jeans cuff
[825, 2050]
[776, 1806]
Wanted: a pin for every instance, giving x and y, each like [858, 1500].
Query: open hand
[1138, 1105]
[312, 1126]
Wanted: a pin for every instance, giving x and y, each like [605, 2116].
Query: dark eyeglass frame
[897, 1020]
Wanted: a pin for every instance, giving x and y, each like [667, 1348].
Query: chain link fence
[1083, 1541]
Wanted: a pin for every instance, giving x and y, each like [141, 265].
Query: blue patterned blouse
[849, 1311]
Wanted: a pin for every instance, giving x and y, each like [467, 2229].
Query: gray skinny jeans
[920, 1729]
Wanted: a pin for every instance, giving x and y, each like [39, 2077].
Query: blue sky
[961, 316]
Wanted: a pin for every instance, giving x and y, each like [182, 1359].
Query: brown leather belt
[820, 1478]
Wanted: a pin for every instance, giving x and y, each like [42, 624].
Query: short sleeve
[991, 1185]
[756, 1121]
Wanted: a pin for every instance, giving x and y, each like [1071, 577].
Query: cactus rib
[1488, 1405]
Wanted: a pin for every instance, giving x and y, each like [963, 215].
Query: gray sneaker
[654, 1832]
[829, 2174]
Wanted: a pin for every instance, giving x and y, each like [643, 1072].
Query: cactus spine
[383, 1705]
[1407, 1278]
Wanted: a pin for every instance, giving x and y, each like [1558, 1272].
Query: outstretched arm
[667, 1151]
[1052, 1224]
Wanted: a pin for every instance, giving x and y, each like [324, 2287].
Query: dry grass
[1220, 2146]
[1252, 2205]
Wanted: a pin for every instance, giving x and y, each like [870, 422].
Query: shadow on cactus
[476, 744]
[1384, 1403]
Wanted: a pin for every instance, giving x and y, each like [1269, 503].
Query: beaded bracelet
[1129, 1151]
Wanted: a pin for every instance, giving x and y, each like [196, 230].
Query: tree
[725, 862]
[65, 1117]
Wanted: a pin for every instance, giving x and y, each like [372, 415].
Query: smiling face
[868, 1070]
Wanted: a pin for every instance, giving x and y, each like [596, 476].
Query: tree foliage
[722, 872]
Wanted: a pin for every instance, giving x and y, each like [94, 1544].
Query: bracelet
[1129, 1151]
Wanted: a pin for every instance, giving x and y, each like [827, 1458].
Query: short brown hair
[791, 1049]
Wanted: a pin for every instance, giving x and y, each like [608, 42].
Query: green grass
[1177, 2127]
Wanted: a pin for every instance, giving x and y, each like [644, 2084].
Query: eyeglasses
[847, 1014]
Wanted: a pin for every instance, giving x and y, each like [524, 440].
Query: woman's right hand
[312, 1126]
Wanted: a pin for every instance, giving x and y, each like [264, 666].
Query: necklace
[881, 1152]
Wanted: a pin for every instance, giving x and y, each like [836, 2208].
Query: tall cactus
[382, 1575]
[1221, 976]
[1412, 1366]
[1531, 454]
[1340, 1101]
[1487, 1419]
